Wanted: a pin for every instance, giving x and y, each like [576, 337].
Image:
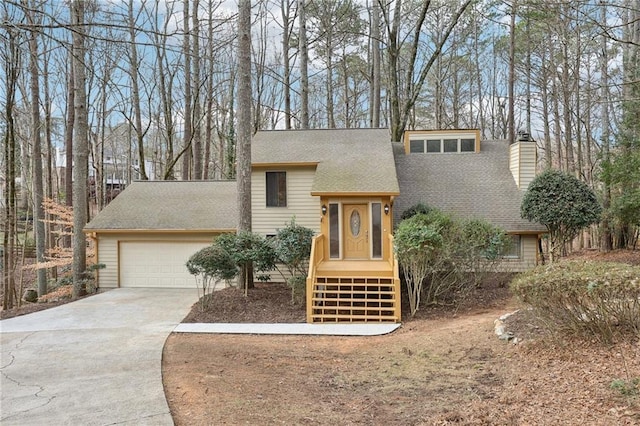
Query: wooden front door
[356, 231]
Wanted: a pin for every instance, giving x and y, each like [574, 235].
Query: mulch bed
[265, 303]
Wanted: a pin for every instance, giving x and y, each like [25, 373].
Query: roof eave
[355, 193]
[158, 231]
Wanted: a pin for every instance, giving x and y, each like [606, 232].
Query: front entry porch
[352, 290]
[353, 273]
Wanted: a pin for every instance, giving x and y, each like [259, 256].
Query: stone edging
[500, 329]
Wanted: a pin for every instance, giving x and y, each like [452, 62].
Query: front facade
[349, 186]
[341, 184]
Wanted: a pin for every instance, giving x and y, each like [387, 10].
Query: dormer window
[441, 141]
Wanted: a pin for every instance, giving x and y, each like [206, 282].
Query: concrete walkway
[95, 361]
[368, 329]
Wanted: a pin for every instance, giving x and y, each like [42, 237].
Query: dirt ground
[446, 366]
[442, 367]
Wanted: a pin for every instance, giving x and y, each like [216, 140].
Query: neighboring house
[348, 186]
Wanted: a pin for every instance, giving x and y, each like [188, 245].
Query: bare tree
[188, 90]
[243, 173]
[303, 48]
[376, 70]
[36, 138]
[408, 73]
[10, 56]
[80, 148]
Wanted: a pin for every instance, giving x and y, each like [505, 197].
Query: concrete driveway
[96, 361]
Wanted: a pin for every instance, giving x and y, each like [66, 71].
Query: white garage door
[157, 264]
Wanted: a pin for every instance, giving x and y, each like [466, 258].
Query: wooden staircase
[352, 291]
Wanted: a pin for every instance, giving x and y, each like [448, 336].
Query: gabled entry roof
[348, 161]
[170, 206]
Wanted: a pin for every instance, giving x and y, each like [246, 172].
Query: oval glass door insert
[354, 222]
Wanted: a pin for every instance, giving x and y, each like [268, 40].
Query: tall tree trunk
[606, 240]
[135, 92]
[243, 173]
[197, 133]
[512, 73]
[285, 14]
[304, 60]
[376, 72]
[68, 138]
[49, 158]
[36, 129]
[188, 123]
[80, 149]
[10, 56]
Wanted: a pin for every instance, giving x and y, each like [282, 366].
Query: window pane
[433, 145]
[376, 230]
[451, 145]
[416, 146]
[467, 145]
[334, 232]
[276, 189]
[513, 250]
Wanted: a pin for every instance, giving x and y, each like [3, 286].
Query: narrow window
[467, 145]
[433, 145]
[376, 230]
[276, 189]
[451, 145]
[416, 146]
[334, 232]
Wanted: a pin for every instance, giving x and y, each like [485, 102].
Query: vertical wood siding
[527, 164]
[522, 163]
[514, 162]
[300, 204]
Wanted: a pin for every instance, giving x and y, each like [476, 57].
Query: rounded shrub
[593, 300]
[419, 208]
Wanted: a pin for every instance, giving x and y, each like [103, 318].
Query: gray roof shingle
[170, 205]
[467, 185]
[348, 160]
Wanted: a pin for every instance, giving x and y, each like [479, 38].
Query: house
[348, 186]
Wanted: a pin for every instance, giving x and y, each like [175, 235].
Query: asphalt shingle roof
[348, 160]
[467, 185]
[170, 205]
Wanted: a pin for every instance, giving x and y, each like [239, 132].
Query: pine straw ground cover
[442, 367]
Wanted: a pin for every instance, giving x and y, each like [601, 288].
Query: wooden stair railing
[351, 298]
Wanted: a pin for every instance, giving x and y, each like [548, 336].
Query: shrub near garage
[598, 300]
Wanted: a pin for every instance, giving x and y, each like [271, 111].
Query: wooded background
[127, 90]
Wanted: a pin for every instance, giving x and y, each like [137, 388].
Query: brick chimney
[522, 160]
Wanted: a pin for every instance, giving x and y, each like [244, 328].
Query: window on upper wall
[443, 144]
[512, 251]
[467, 145]
[433, 145]
[450, 145]
[276, 189]
[416, 145]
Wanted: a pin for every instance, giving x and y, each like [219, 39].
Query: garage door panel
[157, 264]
